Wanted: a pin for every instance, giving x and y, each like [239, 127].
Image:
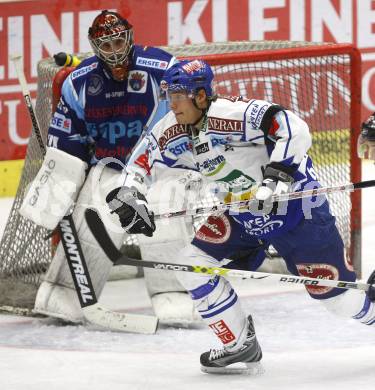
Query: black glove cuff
[280, 172]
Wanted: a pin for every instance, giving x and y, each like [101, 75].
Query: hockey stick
[92, 311]
[275, 198]
[99, 231]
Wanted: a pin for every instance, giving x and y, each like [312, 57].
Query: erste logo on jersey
[137, 81]
[62, 123]
[86, 69]
[151, 63]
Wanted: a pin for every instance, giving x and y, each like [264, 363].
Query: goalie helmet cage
[320, 82]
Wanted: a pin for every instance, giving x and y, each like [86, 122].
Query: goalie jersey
[99, 117]
[238, 140]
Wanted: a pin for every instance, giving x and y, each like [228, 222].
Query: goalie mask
[111, 38]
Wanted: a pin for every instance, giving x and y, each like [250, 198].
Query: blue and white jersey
[239, 138]
[99, 117]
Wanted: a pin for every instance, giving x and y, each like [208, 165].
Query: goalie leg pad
[57, 297]
[352, 303]
[170, 300]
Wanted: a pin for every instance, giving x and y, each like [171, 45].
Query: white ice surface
[304, 346]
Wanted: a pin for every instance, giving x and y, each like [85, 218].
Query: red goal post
[320, 82]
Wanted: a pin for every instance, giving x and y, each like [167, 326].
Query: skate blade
[251, 369]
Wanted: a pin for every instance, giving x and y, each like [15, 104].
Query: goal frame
[225, 53]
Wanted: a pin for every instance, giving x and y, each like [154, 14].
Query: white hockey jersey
[239, 138]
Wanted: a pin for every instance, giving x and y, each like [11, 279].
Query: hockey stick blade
[122, 322]
[101, 235]
[92, 311]
[235, 206]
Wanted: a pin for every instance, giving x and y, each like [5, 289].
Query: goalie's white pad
[54, 188]
[175, 309]
[170, 301]
[58, 298]
[59, 302]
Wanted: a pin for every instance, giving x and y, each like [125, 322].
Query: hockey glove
[277, 179]
[131, 207]
[366, 140]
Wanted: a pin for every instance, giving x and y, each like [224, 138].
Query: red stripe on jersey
[274, 127]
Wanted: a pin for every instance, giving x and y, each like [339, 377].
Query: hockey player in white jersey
[235, 144]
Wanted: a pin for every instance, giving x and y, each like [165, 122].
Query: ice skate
[246, 360]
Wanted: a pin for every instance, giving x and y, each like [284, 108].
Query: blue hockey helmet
[189, 76]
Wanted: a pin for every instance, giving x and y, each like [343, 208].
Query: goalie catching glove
[366, 140]
[277, 179]
[131, 207]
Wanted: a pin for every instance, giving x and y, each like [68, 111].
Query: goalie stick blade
[122, 322]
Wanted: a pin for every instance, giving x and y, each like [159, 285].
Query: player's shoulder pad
[151, 58]
[259, 114]
[228, 107]
[166, 122]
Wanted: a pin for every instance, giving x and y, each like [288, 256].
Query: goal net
[319, 82]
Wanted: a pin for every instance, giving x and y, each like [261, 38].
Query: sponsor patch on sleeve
[255, 112]
[60, 122]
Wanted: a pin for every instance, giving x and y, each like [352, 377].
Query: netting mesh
[317, 88]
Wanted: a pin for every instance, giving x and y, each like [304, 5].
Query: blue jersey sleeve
[68, 131]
